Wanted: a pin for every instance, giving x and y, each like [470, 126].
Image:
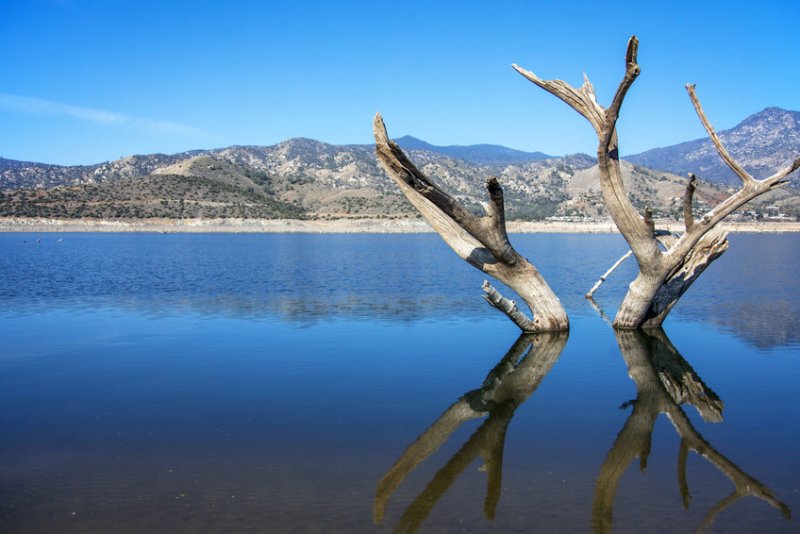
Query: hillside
[304, 178]
[478, 154]
[762, 143]
[304, 152]
[162, 195]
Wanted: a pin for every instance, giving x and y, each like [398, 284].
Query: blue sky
[87, 81]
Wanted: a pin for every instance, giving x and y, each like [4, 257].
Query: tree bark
[664, 275]
[649, 299]
[480, 241]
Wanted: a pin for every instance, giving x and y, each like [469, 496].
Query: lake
[359, 383]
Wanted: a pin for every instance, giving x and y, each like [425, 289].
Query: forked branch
[626, 217]
[664, 274]
[725, 155]
[482, 241]
[582, 100]
[751, 187]
[632, 71]
[399, 166]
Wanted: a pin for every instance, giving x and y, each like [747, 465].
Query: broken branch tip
[379, 130]
[633, 46]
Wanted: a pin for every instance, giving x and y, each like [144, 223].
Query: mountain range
[477, 154]
[763, 143]
[304, 178]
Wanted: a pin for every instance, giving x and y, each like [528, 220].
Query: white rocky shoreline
[334, 226]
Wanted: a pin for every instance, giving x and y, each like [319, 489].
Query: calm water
[298, 383]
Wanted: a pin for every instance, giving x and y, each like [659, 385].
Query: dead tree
[664, 381]
[481, 241]
[505, 388]
[665, 271]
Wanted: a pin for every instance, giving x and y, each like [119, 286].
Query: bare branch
[735, 167]
[608, 273]
[668, 264]
[751, 188]
[582, 100]
[480, 241]
[783, 173]
[489, 231]
[633, 228]
[395, 160]
[632, 71]
[688, 196]
[509, 307]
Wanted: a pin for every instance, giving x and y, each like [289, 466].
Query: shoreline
[336, 226]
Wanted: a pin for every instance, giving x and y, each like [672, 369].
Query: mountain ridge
[302, 177]
[480, 154]
[15, 174]
[762, 143]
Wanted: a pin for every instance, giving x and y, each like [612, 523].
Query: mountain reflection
[769, 322]
[761, 322]
[308, 279]
[506, 387]
[664, 381]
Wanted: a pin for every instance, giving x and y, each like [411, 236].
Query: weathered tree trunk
[480, 241]
[664, 275]
[664, 381]
[506, 387]
[651, 296]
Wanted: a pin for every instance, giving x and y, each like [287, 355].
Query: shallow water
[319, 383]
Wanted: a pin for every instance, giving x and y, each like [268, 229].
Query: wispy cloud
[39, 106]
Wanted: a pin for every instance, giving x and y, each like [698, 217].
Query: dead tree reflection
[505, 388]
[664, 381]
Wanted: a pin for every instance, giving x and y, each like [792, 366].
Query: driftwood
[506, 387]
[664, 275]
[664, 381]
[481, 241]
